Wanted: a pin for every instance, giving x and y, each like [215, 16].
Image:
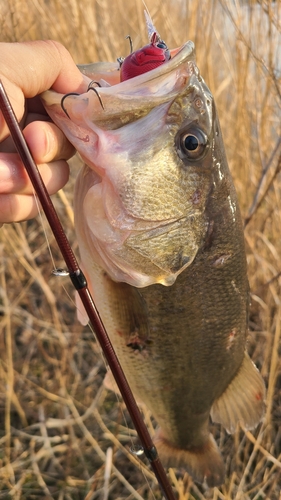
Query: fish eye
[192, 144]
[161, 45]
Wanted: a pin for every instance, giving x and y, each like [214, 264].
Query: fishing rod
[80, 283]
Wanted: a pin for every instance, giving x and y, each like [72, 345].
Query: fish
[161, 243]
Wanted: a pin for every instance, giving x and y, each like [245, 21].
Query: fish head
[148, 145]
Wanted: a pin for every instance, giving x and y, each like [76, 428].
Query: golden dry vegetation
[57, 423]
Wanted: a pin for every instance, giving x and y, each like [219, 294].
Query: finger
[14, 178]
[47, 142]
[29, 68]
[20, 207]
[17, 207]
[8, 146]
[39, 65]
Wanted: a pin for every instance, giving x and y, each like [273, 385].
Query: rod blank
[79, 281]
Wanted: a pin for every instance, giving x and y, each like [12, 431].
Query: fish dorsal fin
[243, 399]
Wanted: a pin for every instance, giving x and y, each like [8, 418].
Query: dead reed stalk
[57, 423]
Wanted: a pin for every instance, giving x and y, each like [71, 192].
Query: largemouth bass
[161, 242]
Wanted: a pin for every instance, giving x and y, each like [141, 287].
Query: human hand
[26, 70]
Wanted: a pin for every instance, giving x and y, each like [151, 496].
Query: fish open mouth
[119, 131]
[124, 101]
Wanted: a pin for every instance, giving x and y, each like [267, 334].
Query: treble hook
[120, 60]
[62, 101]
[76, 93]
[95, 90]
[94, 81]
[128, 37]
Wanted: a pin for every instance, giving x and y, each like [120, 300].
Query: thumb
[38, 66]
[29, 68]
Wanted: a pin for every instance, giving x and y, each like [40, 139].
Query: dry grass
[62, 435]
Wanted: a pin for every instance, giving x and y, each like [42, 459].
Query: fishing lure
[145, 59]
[148, 57]
[136, 63]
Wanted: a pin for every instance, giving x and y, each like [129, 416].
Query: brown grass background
[62, 436]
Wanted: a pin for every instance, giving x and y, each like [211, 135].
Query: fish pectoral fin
[204, 463]
[110, 383]
[243, 399]
[82, 316]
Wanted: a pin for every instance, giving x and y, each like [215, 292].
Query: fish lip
[123, 102]
[180, 56]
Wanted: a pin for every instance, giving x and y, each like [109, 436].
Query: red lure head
[142, 60]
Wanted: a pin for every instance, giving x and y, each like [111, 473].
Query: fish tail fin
[203, 463]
